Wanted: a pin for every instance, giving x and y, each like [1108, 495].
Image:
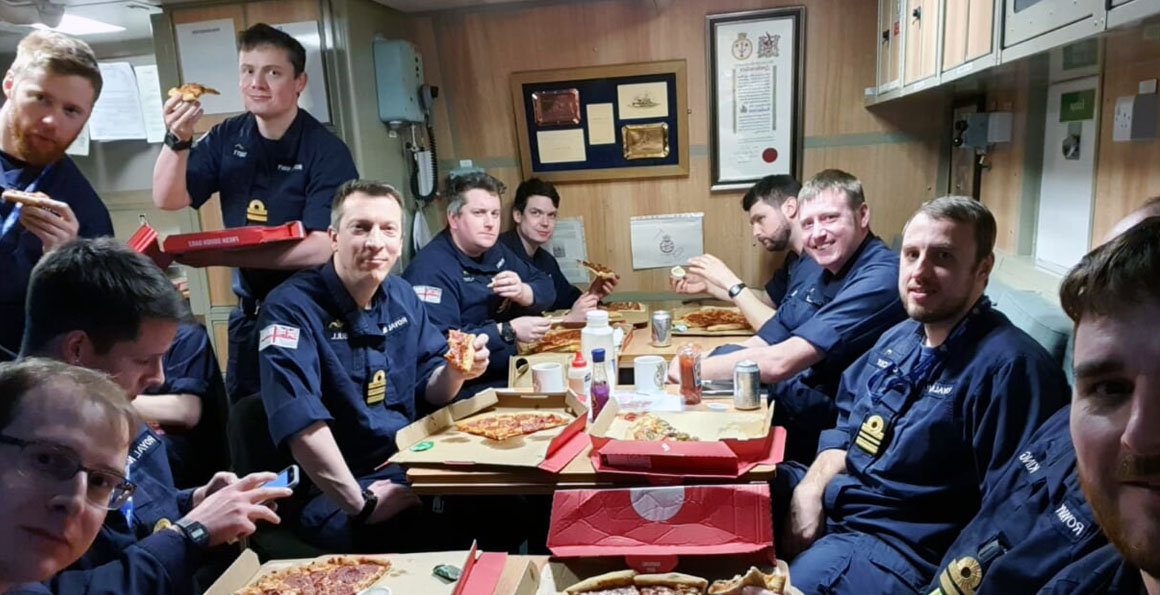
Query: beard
[778, 242]
[938, 312]
[1136, 540]
[31, 151]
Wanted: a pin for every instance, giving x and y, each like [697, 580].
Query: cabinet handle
[916, 13]
[886, 35]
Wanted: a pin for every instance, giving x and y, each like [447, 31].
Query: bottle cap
[579, 361]
[596, 318]
[598, 355]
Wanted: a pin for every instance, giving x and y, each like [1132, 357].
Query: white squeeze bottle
[598, 335]
[579, 377]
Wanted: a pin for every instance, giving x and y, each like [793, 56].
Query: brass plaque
[556, 107]
[645, 141]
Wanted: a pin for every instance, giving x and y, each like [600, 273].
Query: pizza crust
[775, 582]
[192, 91]
[603, 582]
[28, 199]
[333, 574]
[598, 269]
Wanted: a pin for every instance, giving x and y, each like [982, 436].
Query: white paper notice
[209, 55]
[117, 113]
[561, 146]
[666, 240]
[568, 246]
[149, 90]
[80, 145]
[313, 99]
[601, 130]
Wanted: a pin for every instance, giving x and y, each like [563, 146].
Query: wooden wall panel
[1001, 186]
[981, 28]
[471, 54]
[1126, 172]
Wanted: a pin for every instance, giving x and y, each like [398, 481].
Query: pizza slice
[670, 583]
[460, 350]
[619, 582]
[774, 582]
[650, 428]
[336, 574]
[192, 91]
[715, 319]
[598, 269]
[28, 199]
[502, 426]
[561, 339]
[623, 306]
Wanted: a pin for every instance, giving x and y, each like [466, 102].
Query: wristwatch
[175, 143]
[194, 531]
[736, 290]
[370, 501]
[507, 333]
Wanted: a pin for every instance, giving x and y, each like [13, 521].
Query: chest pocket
[806, 302]
[256, 190]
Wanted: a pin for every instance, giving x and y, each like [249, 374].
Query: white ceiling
[133, 15]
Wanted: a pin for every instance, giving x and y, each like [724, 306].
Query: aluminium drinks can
[746, 385]
[662, 328]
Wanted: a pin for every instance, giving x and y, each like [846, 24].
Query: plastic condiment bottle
[579, 376]
[690, 366]
[600, 388]
[597, 334]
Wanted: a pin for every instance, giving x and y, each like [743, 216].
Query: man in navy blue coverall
[468, 281]
[534, 212]
[51, 88]
[843, 303]
[98, 304]
[928, 418]
[1113, 296]
[271, 165]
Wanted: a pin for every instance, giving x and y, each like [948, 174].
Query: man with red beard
[51, 88]
[1113, 296]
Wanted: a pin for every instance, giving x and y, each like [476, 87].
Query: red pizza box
[732, 443]
[435, 441]
[409, 573]
[146, 241]
[236, 237]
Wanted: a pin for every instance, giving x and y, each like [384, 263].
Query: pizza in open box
[501, 426]
[333, 575]
[714, 319]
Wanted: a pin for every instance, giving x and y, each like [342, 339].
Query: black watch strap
[195, 532]
[175, 143]
[370, 501]
[736, 290]
[507, 333]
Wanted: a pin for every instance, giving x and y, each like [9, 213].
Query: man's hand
[231, 512]
[507, 284]
[219, 480]
[602, 286]
[581, 306]
[713, 271]
[479, 364]
[181, 116]
[393, 499]
[806, 519]
[52, 221]
[529, 329]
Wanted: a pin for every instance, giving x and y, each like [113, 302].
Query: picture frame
[756, 61]
[610, 122]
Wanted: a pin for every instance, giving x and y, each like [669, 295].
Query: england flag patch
[431, 295]
[278, 335]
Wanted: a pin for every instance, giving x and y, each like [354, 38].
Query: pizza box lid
[700, 332]
[650, 529]
[235, 237]
[146, 241]
[556, 575]
[409, 573]
[732, 442]
[549, 449]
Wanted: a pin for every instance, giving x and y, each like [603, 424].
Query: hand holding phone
[287, 478]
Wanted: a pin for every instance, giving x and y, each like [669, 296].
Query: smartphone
[287, 478]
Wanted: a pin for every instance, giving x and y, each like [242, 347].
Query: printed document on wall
[209, 55]
[313, 99]
[117, 113]
[567, 246]
[666, 240]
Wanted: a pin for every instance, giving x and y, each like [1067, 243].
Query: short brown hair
[962, 209]
[59, 54]
[458, 186]
[1117, 276]
[367, 187]
[834, 179]
[21, 377]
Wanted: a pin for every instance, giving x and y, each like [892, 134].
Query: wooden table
[640, 344]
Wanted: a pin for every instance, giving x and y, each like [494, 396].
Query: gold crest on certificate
[556, 107]
[645, 141]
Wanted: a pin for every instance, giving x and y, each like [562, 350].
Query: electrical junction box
[398, 76]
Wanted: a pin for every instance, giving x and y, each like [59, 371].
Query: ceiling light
[72, 24]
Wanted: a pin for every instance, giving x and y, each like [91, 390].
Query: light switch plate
[1146, 87]
[1122, 122]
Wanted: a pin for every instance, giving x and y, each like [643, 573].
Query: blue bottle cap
[598, 355]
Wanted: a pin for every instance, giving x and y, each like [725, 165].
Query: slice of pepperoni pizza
[598, 269]
[192, 91]
[460, 350]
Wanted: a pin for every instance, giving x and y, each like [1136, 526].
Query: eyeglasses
[103, 488]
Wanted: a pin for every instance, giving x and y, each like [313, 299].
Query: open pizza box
[680, 330]
[234, 237]
[520, 367]
[146, 241]
[714, 532]
[549, 449]
[731, 442]
[409, 573]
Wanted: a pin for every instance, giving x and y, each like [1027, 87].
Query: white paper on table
[601, 129]
[666, 240]
[313, 99]
[567, 246]
[209, 55]
[561, 146]
[649, 402]
[80, 145]
[117, 113]
[149, 92]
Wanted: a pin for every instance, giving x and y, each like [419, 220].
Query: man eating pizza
[347, 358]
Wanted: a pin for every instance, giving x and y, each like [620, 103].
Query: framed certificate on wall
[756, 64]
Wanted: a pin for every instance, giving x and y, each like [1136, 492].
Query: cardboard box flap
[556, 575]
[678, 520]
[235, 237]
[480, 573]
[146, 241]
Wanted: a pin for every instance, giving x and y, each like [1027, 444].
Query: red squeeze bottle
[689, 357]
